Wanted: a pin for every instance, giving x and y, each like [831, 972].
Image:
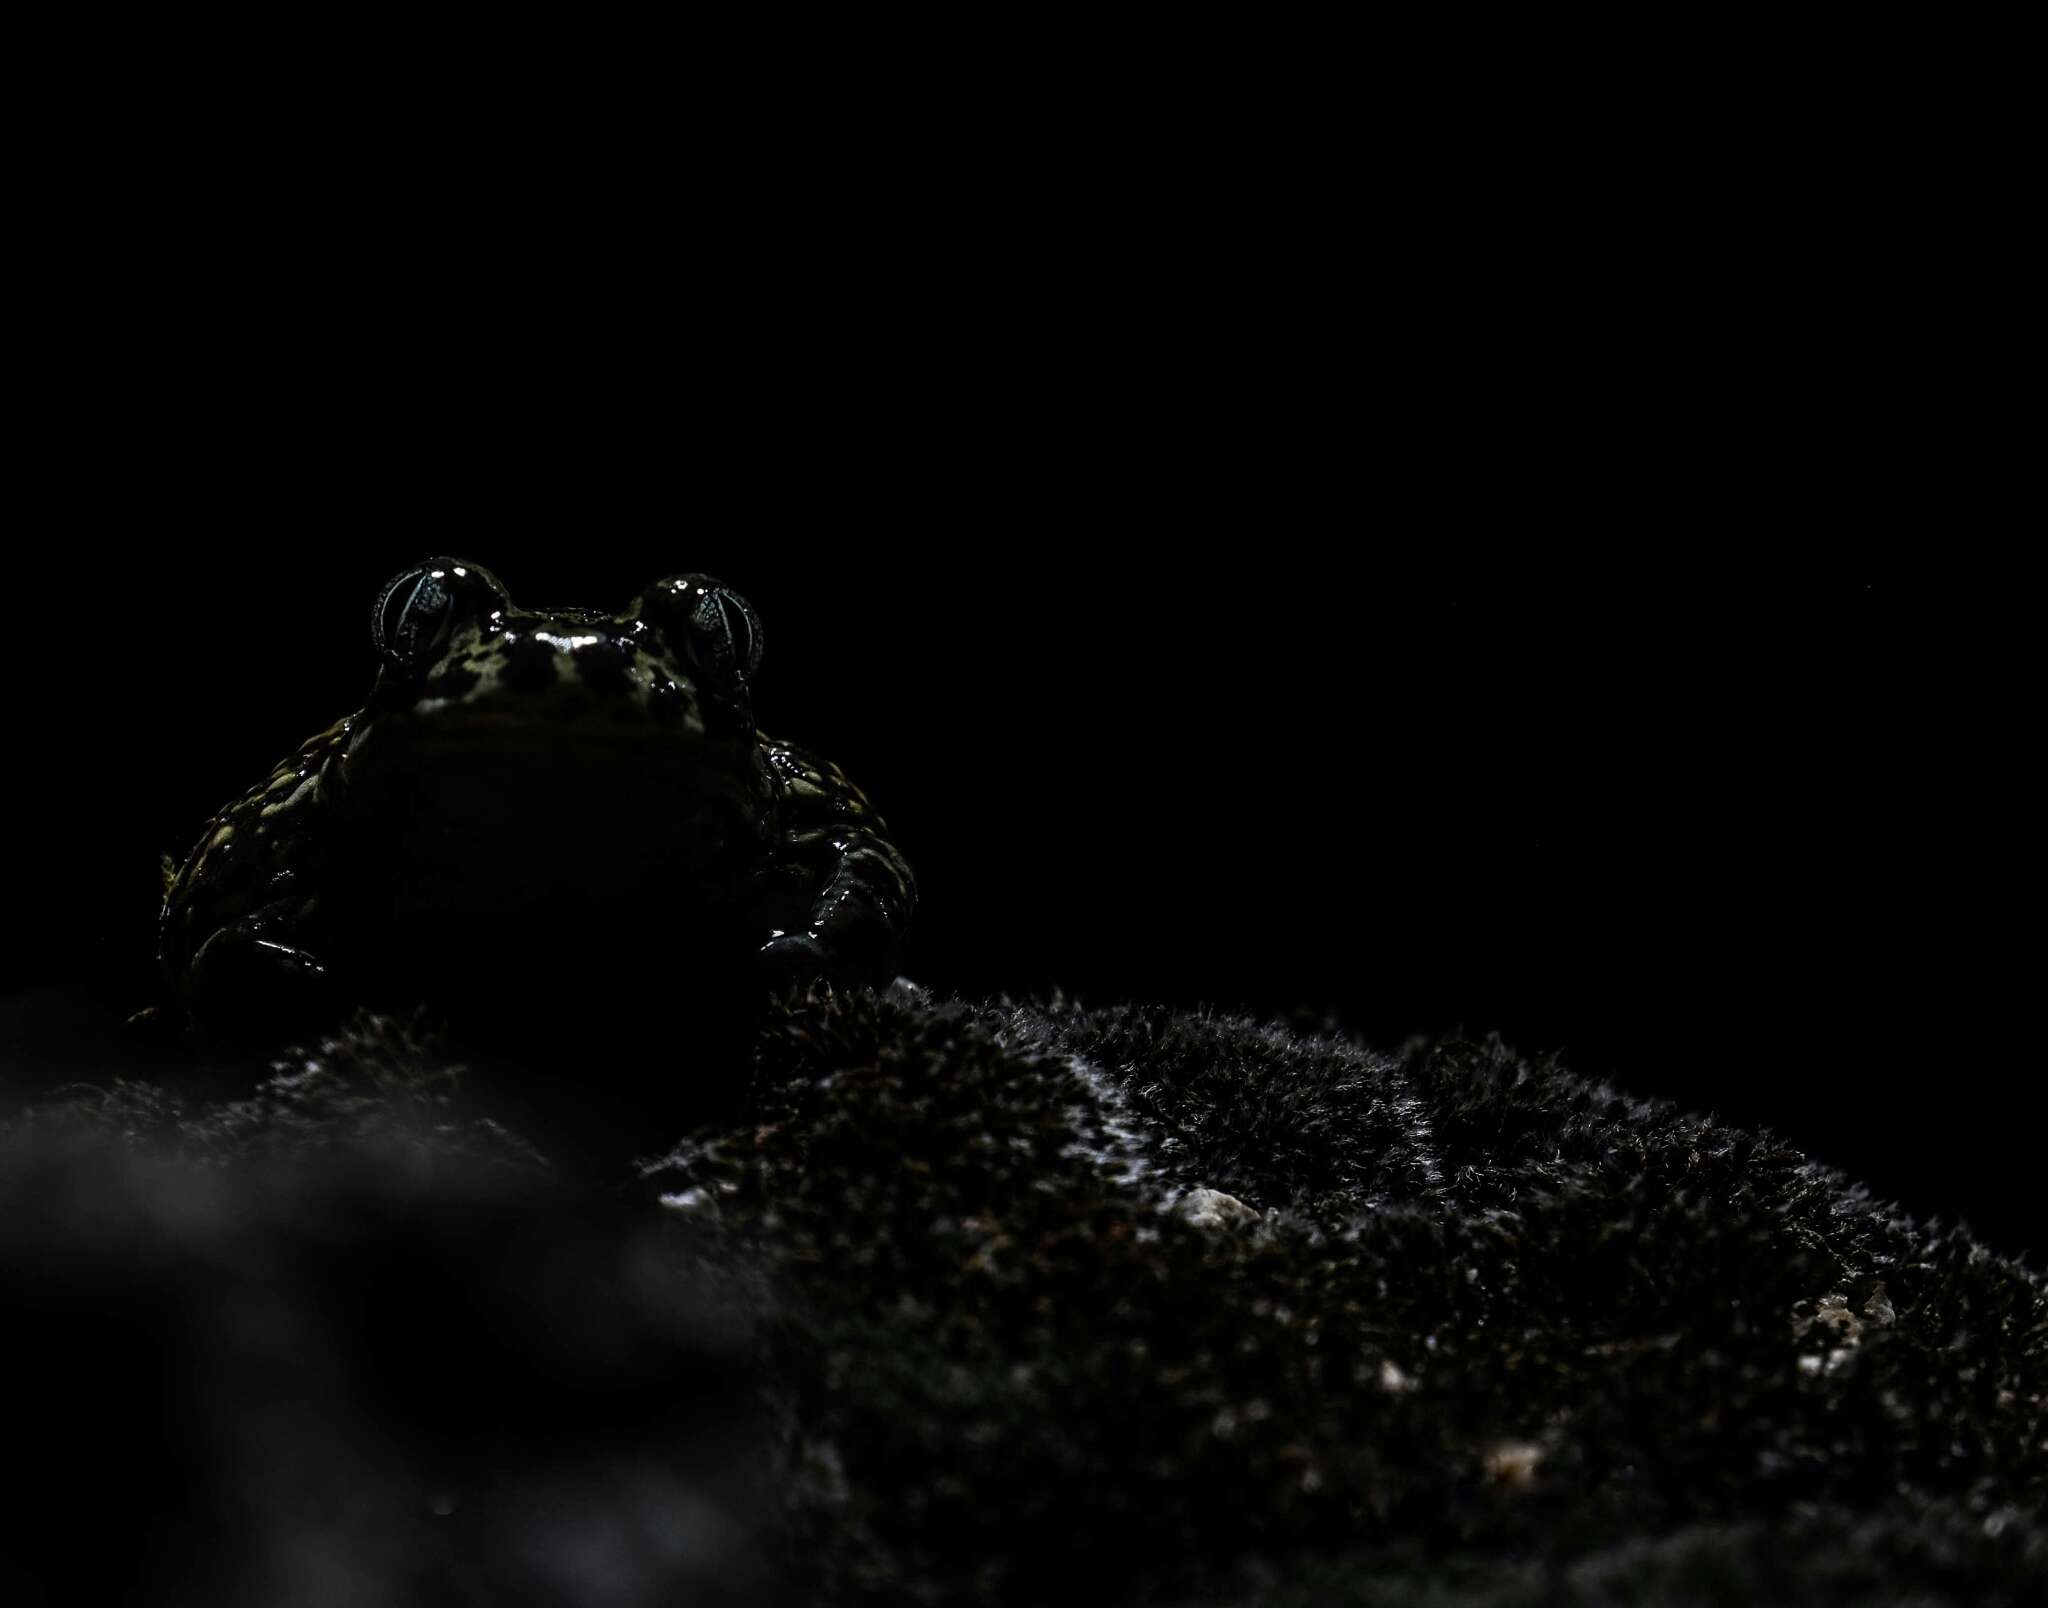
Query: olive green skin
[553, 802]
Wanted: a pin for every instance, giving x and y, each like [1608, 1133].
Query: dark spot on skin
[669, 704]
[529, 665]
[603, 667]
[725, 710]
[452, 681]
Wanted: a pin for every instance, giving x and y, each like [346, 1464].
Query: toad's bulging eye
[713, 627]
[420, 606]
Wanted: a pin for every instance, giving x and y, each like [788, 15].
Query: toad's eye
[420, 606]
[709, 623]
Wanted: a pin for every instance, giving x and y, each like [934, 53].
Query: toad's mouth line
[568, 719]
[607, 734]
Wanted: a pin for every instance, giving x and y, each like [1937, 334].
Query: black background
[1448, 594]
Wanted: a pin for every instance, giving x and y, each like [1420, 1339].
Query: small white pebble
[691, 1202]
[1211, 1208]
[1833, 1317]
[1512, 1463]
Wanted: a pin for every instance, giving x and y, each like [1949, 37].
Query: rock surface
[1016, 1303]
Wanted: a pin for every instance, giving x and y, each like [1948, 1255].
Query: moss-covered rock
[1451, 1327]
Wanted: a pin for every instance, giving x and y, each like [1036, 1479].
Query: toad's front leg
[857, 920]
[840, 893]
[251, 977]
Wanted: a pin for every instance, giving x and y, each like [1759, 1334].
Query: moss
[1497, 1335]
[1501, 1321]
